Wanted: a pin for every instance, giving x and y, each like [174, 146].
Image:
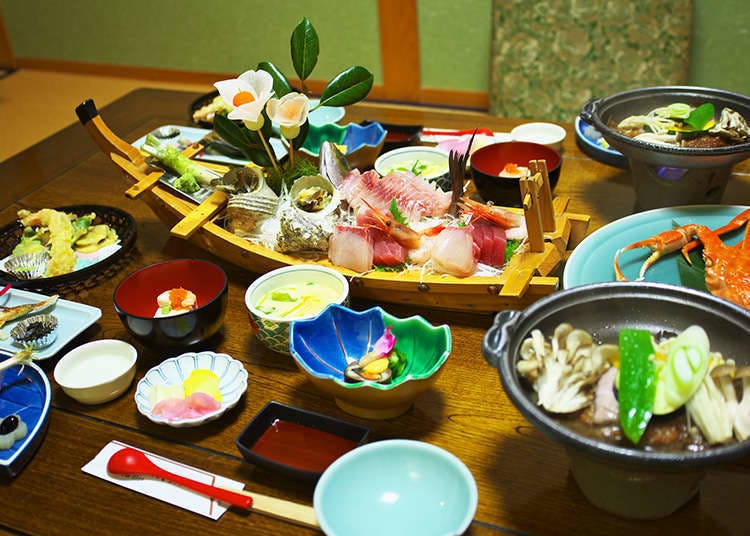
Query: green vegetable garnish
[637, 382]
[510, 248]
[187, 183]
[678, 110]
[699, 118]
[682, 374]
[396, 213]
[165, 310]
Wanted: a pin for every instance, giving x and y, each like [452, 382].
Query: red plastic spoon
[128, 461]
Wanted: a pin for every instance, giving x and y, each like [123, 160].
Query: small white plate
[72, 319]
[232, 383]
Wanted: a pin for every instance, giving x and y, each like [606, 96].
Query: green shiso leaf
[396, 212]
[348, 87]
[305, 49]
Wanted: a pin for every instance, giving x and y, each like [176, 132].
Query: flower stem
[268, 150]
[291, 153]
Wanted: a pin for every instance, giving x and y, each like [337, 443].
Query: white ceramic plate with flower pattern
[232, 384]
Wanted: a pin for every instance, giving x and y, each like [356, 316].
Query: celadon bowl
[396, 487]
[323, 346]
[363, 143]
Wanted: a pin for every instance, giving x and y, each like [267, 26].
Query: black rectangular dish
[296, 442]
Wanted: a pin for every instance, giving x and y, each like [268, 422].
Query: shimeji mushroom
[563, 372]
[742, 417]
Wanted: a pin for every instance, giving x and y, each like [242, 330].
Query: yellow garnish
[376, 367]
[202, 381]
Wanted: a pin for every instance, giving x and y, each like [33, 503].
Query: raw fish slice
[386, 251]
[350, 246]
[416, 198]
[454, 252]
[491, 242]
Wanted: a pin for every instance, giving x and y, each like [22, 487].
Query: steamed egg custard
[296, 300]
[421, 167]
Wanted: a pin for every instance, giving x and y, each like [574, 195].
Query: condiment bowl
[548, 134]
[487, 163]
[430, 163]
[628, 481]
[135, 302]
[98, 371]
[323, 347]
[273, 330]
[363, 143]
[297, 442]
[405, 487]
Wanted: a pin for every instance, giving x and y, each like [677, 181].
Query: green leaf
[700, 116]
[397, 213]
[692, 275]
[300, 139]
[245, 140]
[304, 45]
[281, 85]
[348, 87]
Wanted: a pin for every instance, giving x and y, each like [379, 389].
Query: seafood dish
[727, 268]
[175, 301]
[512, 170]
[659, 392]
[10, 313]
[683, 125]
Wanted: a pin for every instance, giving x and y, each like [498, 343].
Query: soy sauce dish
[297, 443]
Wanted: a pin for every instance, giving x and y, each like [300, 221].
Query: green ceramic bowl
[323, 346]
[363, 143]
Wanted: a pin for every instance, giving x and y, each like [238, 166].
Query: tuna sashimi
[491, 242]
[454, 251]
[386, 251]
[414, 196]
[351, 246]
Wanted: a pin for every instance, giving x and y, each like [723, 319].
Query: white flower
[289, 112]
[247, 95]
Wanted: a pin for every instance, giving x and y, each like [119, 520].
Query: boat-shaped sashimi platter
[397, 237]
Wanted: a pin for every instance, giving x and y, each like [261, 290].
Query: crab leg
[661, 244]
[735, 223]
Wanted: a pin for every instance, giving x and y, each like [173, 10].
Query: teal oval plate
[592, 261]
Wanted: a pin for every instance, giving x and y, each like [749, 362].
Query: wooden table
[522, 476]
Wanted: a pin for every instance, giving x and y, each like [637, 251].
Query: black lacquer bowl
[627, 481]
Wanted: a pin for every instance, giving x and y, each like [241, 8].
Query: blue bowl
[323, 346]
[403, 487]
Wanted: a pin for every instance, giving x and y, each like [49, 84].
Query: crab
[727, 267]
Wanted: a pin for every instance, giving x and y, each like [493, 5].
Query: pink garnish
[384, 345]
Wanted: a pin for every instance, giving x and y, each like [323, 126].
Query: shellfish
[256, 203]
[308, 215]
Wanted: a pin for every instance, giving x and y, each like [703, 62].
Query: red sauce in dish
[300, 446]
[398, 136]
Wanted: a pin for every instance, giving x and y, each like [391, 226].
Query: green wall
[232, 36]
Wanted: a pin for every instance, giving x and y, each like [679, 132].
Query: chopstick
[299, 514]
[485, 131]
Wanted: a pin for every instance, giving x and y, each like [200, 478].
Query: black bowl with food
[676, 157]
[662, 471]
[174, 303]
[496, 169]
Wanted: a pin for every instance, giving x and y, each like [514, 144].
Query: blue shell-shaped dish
[363, 143]
[325, 345]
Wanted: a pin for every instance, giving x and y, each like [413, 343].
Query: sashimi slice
[491, 241]
[415, 197]
[351, 246]
[386, 251]
[454, 252]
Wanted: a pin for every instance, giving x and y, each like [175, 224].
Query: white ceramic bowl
[273, 331]
[173, 371]
[98, 371]
[548, 134]
[405, 157]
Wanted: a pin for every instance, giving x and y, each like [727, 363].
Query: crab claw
[735, 223]
[660, 244]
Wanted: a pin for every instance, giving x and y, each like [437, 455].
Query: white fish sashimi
[416, 198]
[454, 252]
[351, 246]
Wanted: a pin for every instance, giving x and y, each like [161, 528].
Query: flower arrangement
[264, 95]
